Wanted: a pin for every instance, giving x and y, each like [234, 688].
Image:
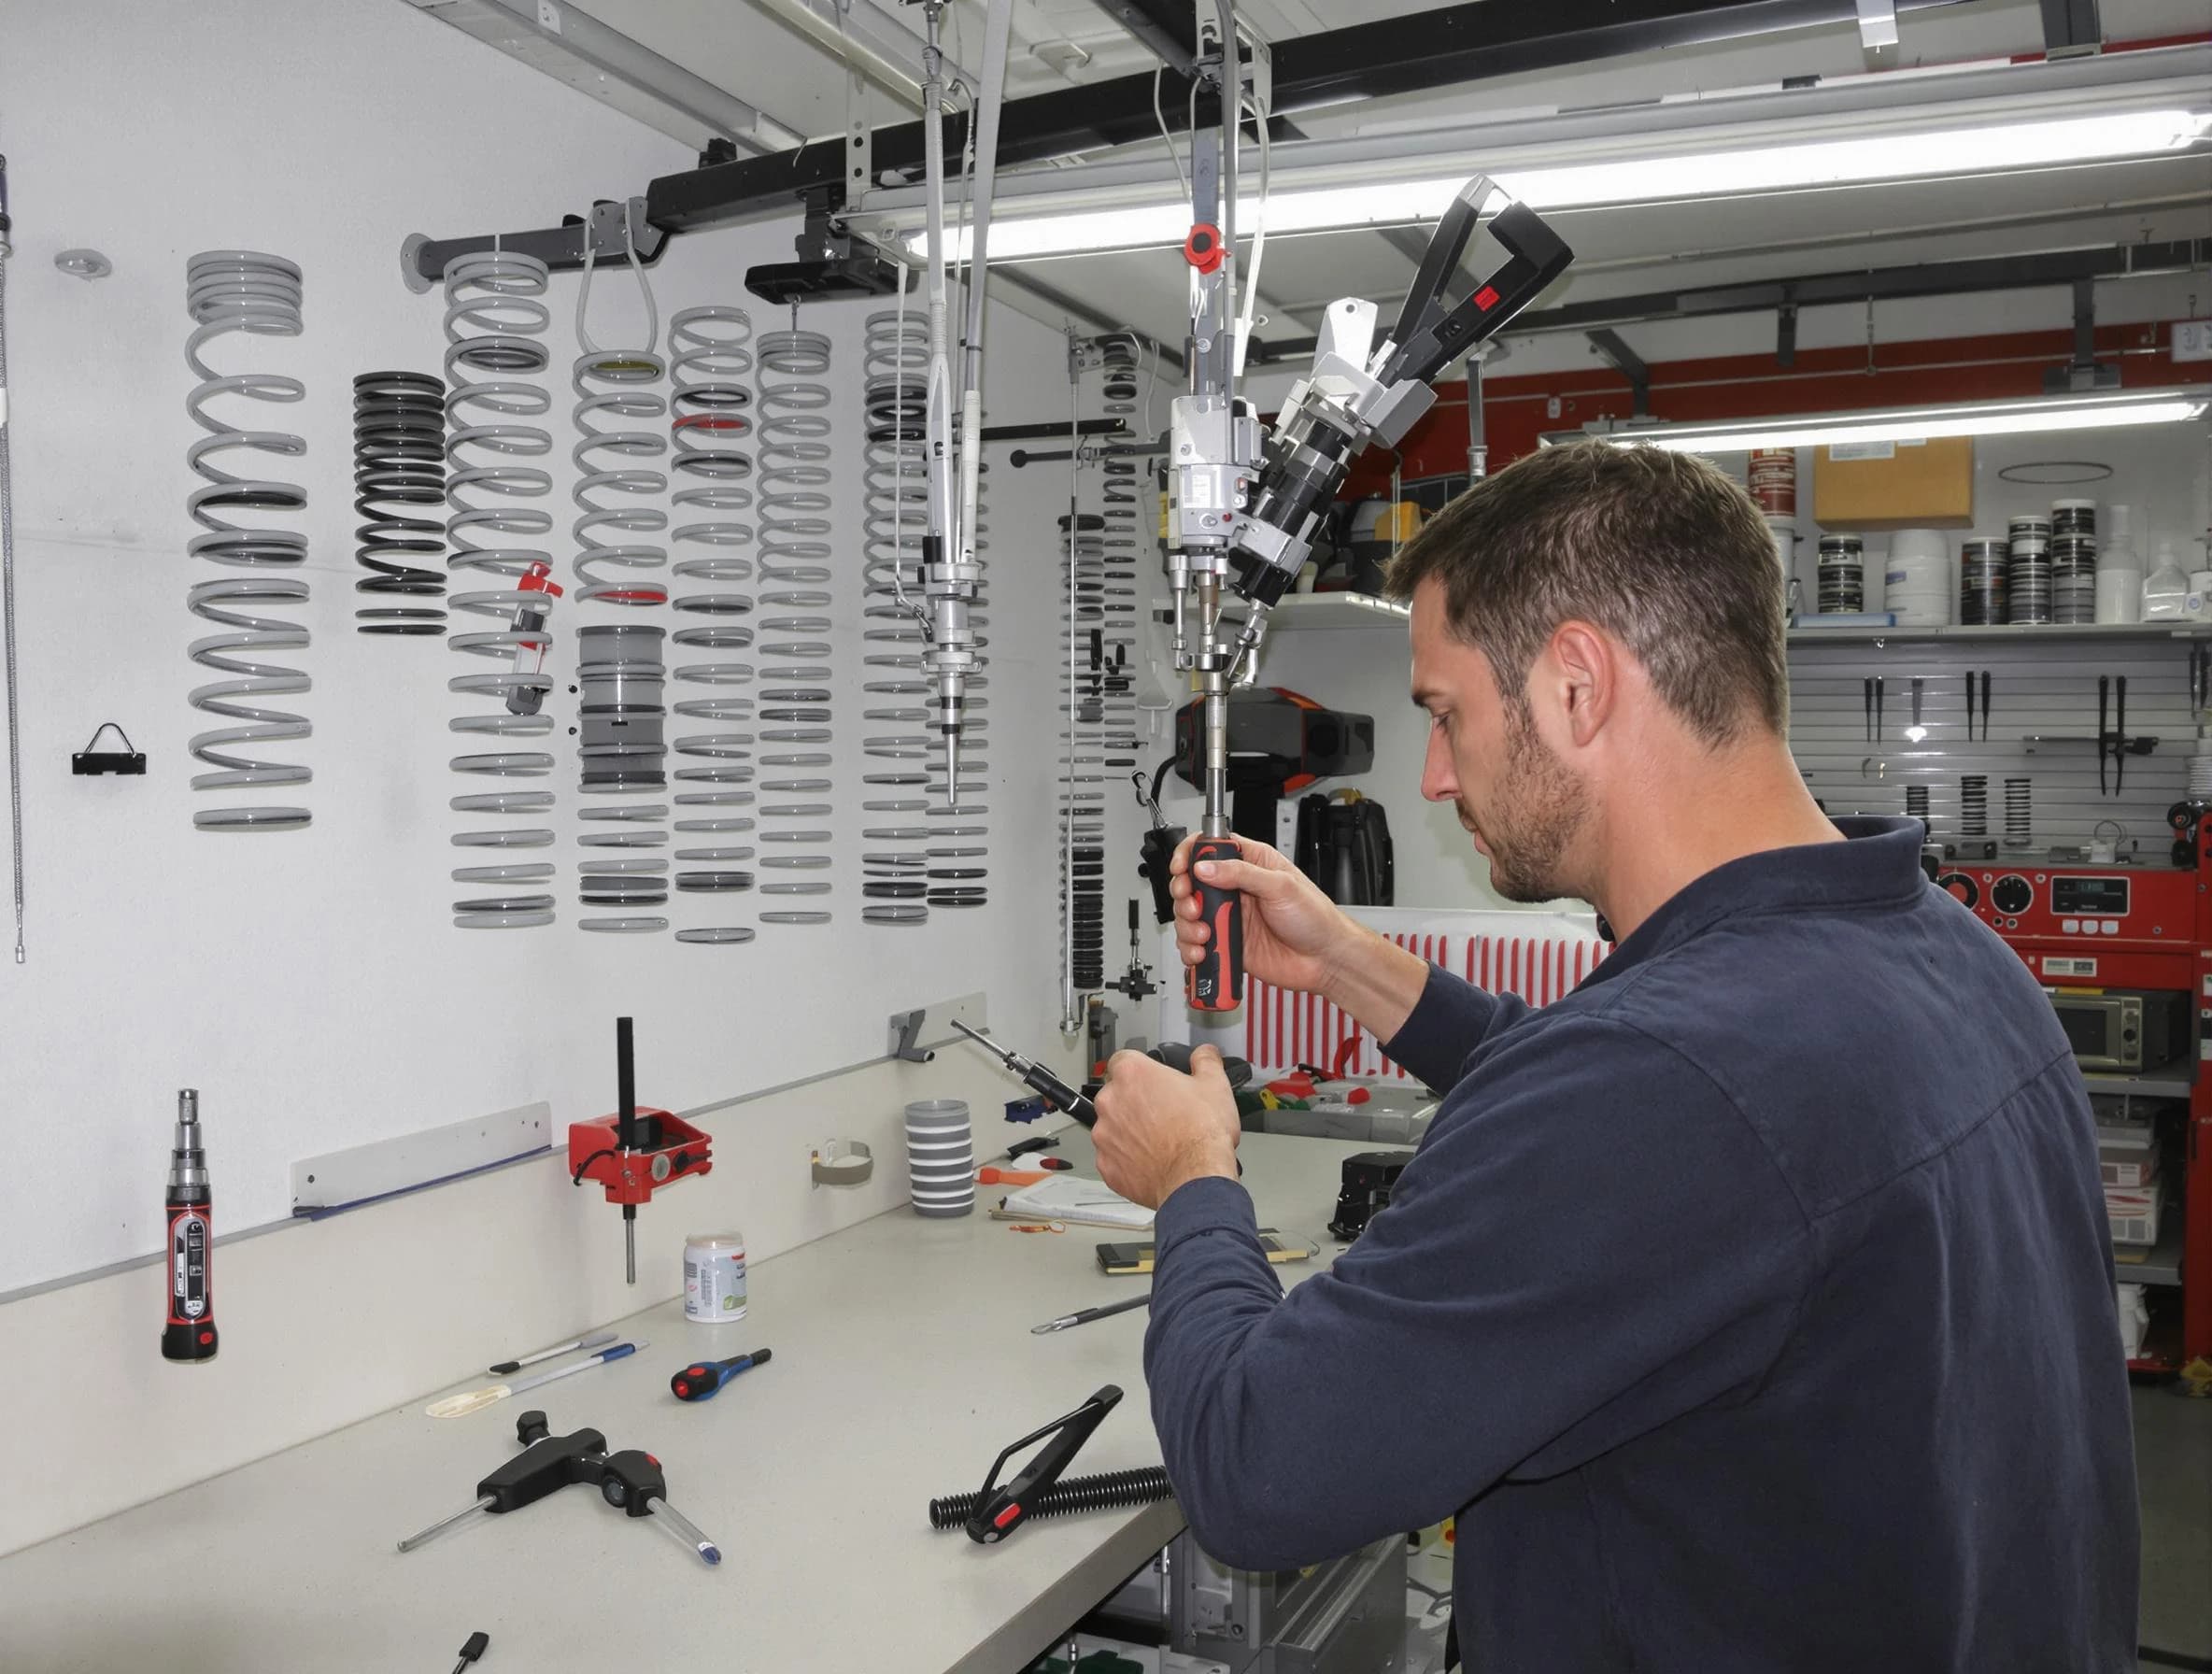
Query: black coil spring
[399, 462]
[1107, 1489]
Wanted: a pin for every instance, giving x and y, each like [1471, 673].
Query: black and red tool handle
[189, 1332]
[1217, 982]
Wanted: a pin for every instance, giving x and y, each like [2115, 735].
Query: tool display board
[2047, 688]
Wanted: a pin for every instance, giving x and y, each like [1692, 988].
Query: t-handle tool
[702, 1380]
[1035, 1076]
[630, 1481]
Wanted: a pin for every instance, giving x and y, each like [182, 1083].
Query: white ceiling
[798, 83]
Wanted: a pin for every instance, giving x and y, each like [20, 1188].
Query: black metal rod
[627, 1128]
[1444, 47]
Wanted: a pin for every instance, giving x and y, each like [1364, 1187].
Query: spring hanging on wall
[621, 667]
[399, 466]
[246, 292]
[895, 365]
[796, 574]
[493, 321]
[710, 408]
[1118, 553]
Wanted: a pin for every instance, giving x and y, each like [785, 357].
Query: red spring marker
[1217, 982]
[189, 1332]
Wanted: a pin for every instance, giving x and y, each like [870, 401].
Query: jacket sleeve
[1590, 1242]
[1446, 1024]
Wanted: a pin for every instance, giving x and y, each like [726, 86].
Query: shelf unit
[2172, 1082]
[2004, 633]
[2162, 1265]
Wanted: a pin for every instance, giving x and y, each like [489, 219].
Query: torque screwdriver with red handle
[189, 1332]
[1217, 982]
[702, 1380]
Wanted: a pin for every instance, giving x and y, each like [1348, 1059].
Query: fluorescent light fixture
[1913, 424]
[1997, 149]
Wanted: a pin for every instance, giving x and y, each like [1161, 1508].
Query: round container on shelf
[1982, 573]
[2033, 524]
[1772, 479]
[2073, 517]
[1918, 587]
[1842, 575]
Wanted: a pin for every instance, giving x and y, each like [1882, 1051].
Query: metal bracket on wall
[1628, 363]
[914, 1034]
[613, 229]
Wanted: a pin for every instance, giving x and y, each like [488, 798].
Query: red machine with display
[2126, 954]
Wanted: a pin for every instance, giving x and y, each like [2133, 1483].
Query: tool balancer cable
[15, 752]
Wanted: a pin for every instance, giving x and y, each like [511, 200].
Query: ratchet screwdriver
[1037, 1078]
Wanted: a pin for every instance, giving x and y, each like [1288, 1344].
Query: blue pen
[704, 1379]
[472, 1400]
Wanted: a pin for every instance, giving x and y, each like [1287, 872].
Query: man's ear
[1586, 670]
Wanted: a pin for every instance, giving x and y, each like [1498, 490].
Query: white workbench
[904, 1362]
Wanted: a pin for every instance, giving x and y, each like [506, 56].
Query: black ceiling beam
[1164, 27]
[1444, 47]
[2050, 269]
[1628, 363]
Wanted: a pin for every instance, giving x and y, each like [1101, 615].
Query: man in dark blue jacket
[1752, 1306]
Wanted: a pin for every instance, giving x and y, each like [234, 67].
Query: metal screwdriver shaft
[686, 1531]
[482, 1507]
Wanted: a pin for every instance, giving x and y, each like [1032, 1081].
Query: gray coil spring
[895, 367]
[493, 320]
[796, 574]
[399, 467]
[225, 291]
[621, 667]
[710, 408]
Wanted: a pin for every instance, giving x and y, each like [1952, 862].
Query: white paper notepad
[1070, 1197]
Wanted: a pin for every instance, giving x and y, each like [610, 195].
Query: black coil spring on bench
[1077, 1493]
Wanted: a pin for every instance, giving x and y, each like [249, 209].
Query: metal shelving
[2169, 1083]
[2002, 634]
[2163, 1265]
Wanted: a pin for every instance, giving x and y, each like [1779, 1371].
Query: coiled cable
[1105, 1491]
[225, 291]
[493, 320]
[399, 465]
[710, 409]
[795, 709]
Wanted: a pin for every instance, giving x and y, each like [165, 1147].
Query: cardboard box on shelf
[1894, 485]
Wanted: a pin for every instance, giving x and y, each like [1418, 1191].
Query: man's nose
[1439, 783]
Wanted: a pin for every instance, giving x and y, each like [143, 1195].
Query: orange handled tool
[1217, 982]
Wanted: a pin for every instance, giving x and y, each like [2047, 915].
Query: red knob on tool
[1202, 248]
[1217, 982]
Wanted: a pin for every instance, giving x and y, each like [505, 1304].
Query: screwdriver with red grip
[1217, 982]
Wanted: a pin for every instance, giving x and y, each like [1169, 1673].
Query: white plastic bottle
[2165, 589]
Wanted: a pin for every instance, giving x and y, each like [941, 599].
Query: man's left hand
[1158, 1127]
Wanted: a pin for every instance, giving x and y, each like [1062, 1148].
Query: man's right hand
[1294, 937]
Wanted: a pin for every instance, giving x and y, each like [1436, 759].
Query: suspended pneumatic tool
[1242, 515]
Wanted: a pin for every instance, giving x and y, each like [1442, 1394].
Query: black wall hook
[125, 760]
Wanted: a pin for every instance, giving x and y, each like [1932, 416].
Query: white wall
[310, 983]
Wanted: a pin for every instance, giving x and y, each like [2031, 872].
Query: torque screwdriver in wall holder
[630, 1481]
[189, 1332]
